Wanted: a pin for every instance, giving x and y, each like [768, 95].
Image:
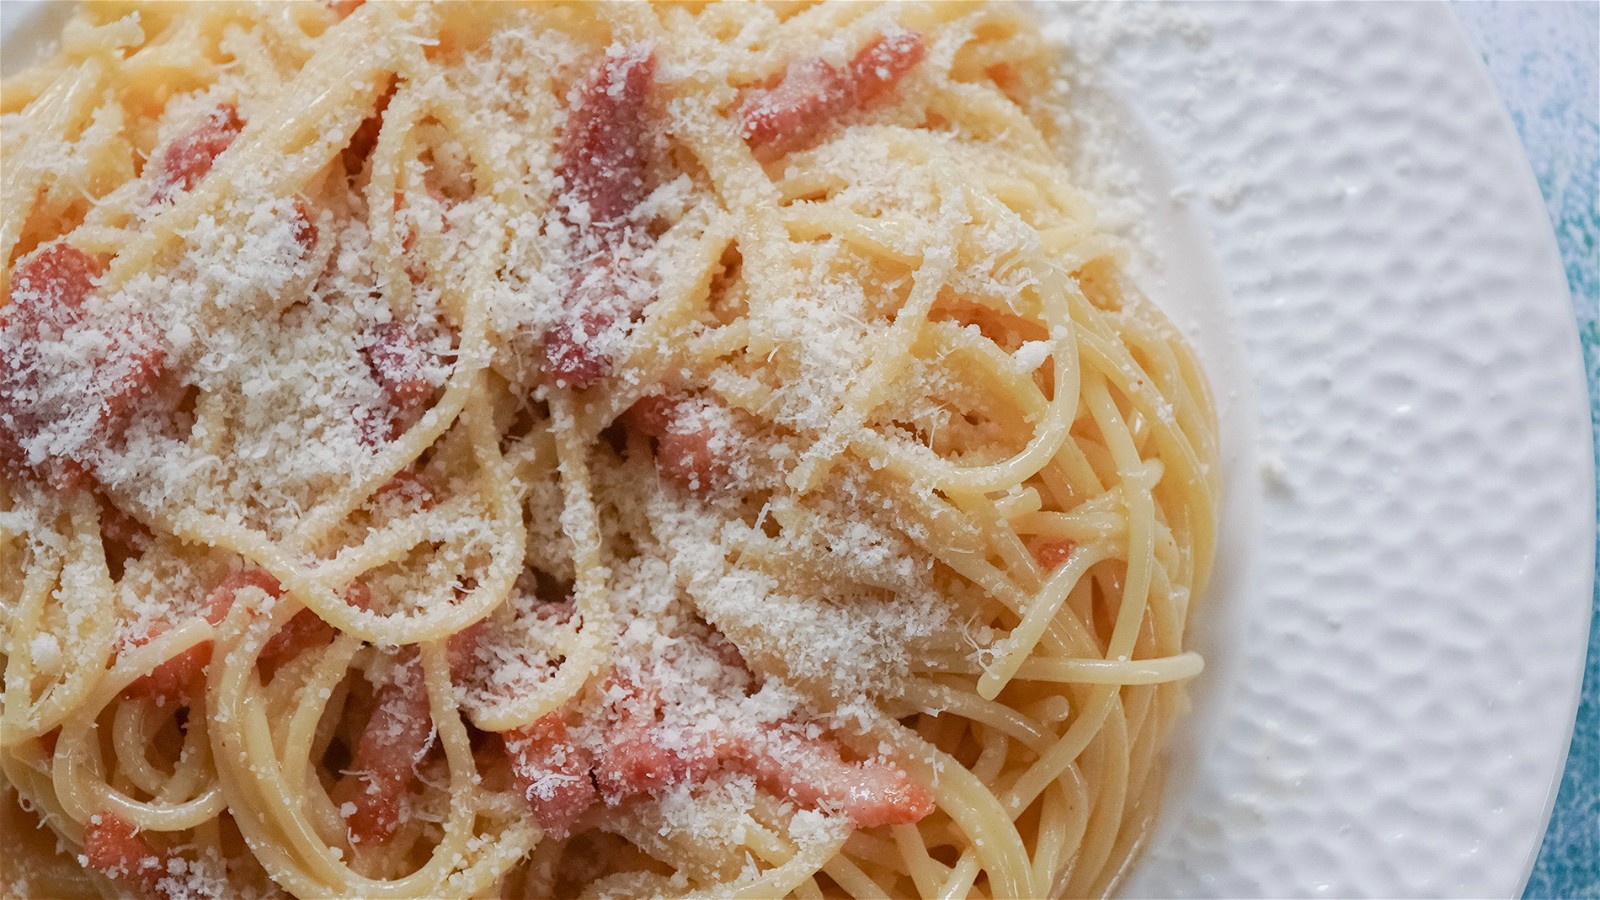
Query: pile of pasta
[572, 449]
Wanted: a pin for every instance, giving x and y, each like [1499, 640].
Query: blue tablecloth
[1544, 59]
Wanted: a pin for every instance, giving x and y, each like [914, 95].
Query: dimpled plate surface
[1396, 699]
[1415, 622]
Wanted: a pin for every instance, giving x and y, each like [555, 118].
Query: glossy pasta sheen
[487, 450]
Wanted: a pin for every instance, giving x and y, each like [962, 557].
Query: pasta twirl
[501, 450]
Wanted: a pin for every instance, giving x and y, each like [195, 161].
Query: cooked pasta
[571, 449]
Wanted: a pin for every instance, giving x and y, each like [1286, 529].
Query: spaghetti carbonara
[514, 450]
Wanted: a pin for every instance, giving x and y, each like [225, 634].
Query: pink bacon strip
[396, 737]
[813, 774]
[189, 158]
[113, 847]
[174, 680]
[398, 362]
[1052, 553]
[642, 756]
[551, 773]
[604, 164]
[686, 448]
[46, 302]
[814, 93]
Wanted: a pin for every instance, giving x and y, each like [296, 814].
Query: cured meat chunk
[1049, 554]
[49, 287]
[812, 773]
[399, 363]
[72, 382]
[113, 847]
[813, 93]
[551, 772]
[397, 735]
[174, 680]
[605, 146]
[641, 753]
[190, 157]
[604, 170]
[695, 446]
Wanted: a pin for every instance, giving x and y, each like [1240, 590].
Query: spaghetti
[472, 450]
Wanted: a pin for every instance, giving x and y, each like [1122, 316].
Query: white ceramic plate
[1400, 699]
[1397, 630]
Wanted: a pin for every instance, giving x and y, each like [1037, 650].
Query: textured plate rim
[1201, 41]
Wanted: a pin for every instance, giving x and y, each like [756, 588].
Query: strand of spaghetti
[1166, 618]
[395, 539]
[84, 598]
[1070, 476]
[947, 699]
[579, 523]
[995, 748]
[890, 357]
[702, 860]
[313, 694]
[962, 876]
[927, 872]
[1092, 716]
[1112, 671]
[1077, 806]
[1041, 615]
[1003, 540]
[1145, 716]
[1004, 378]
[1142, 478]
[62, 106]
[83, 790]
[1173, 446]
[919, 464]
[255, 156]
[22, 720]
[129, 727]
[27, 766]
[1019, 501]
[806, 221]
[1093, 521]
[1061, 820]
[763, 843]
[1113, 782]
[400, 117]
[478, 419]
[780, 880]
[849, 876]
[253, 781]
[1144, 789]
[972, 806]
[191, 775]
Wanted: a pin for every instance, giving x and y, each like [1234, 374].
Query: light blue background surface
[1545, 60]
